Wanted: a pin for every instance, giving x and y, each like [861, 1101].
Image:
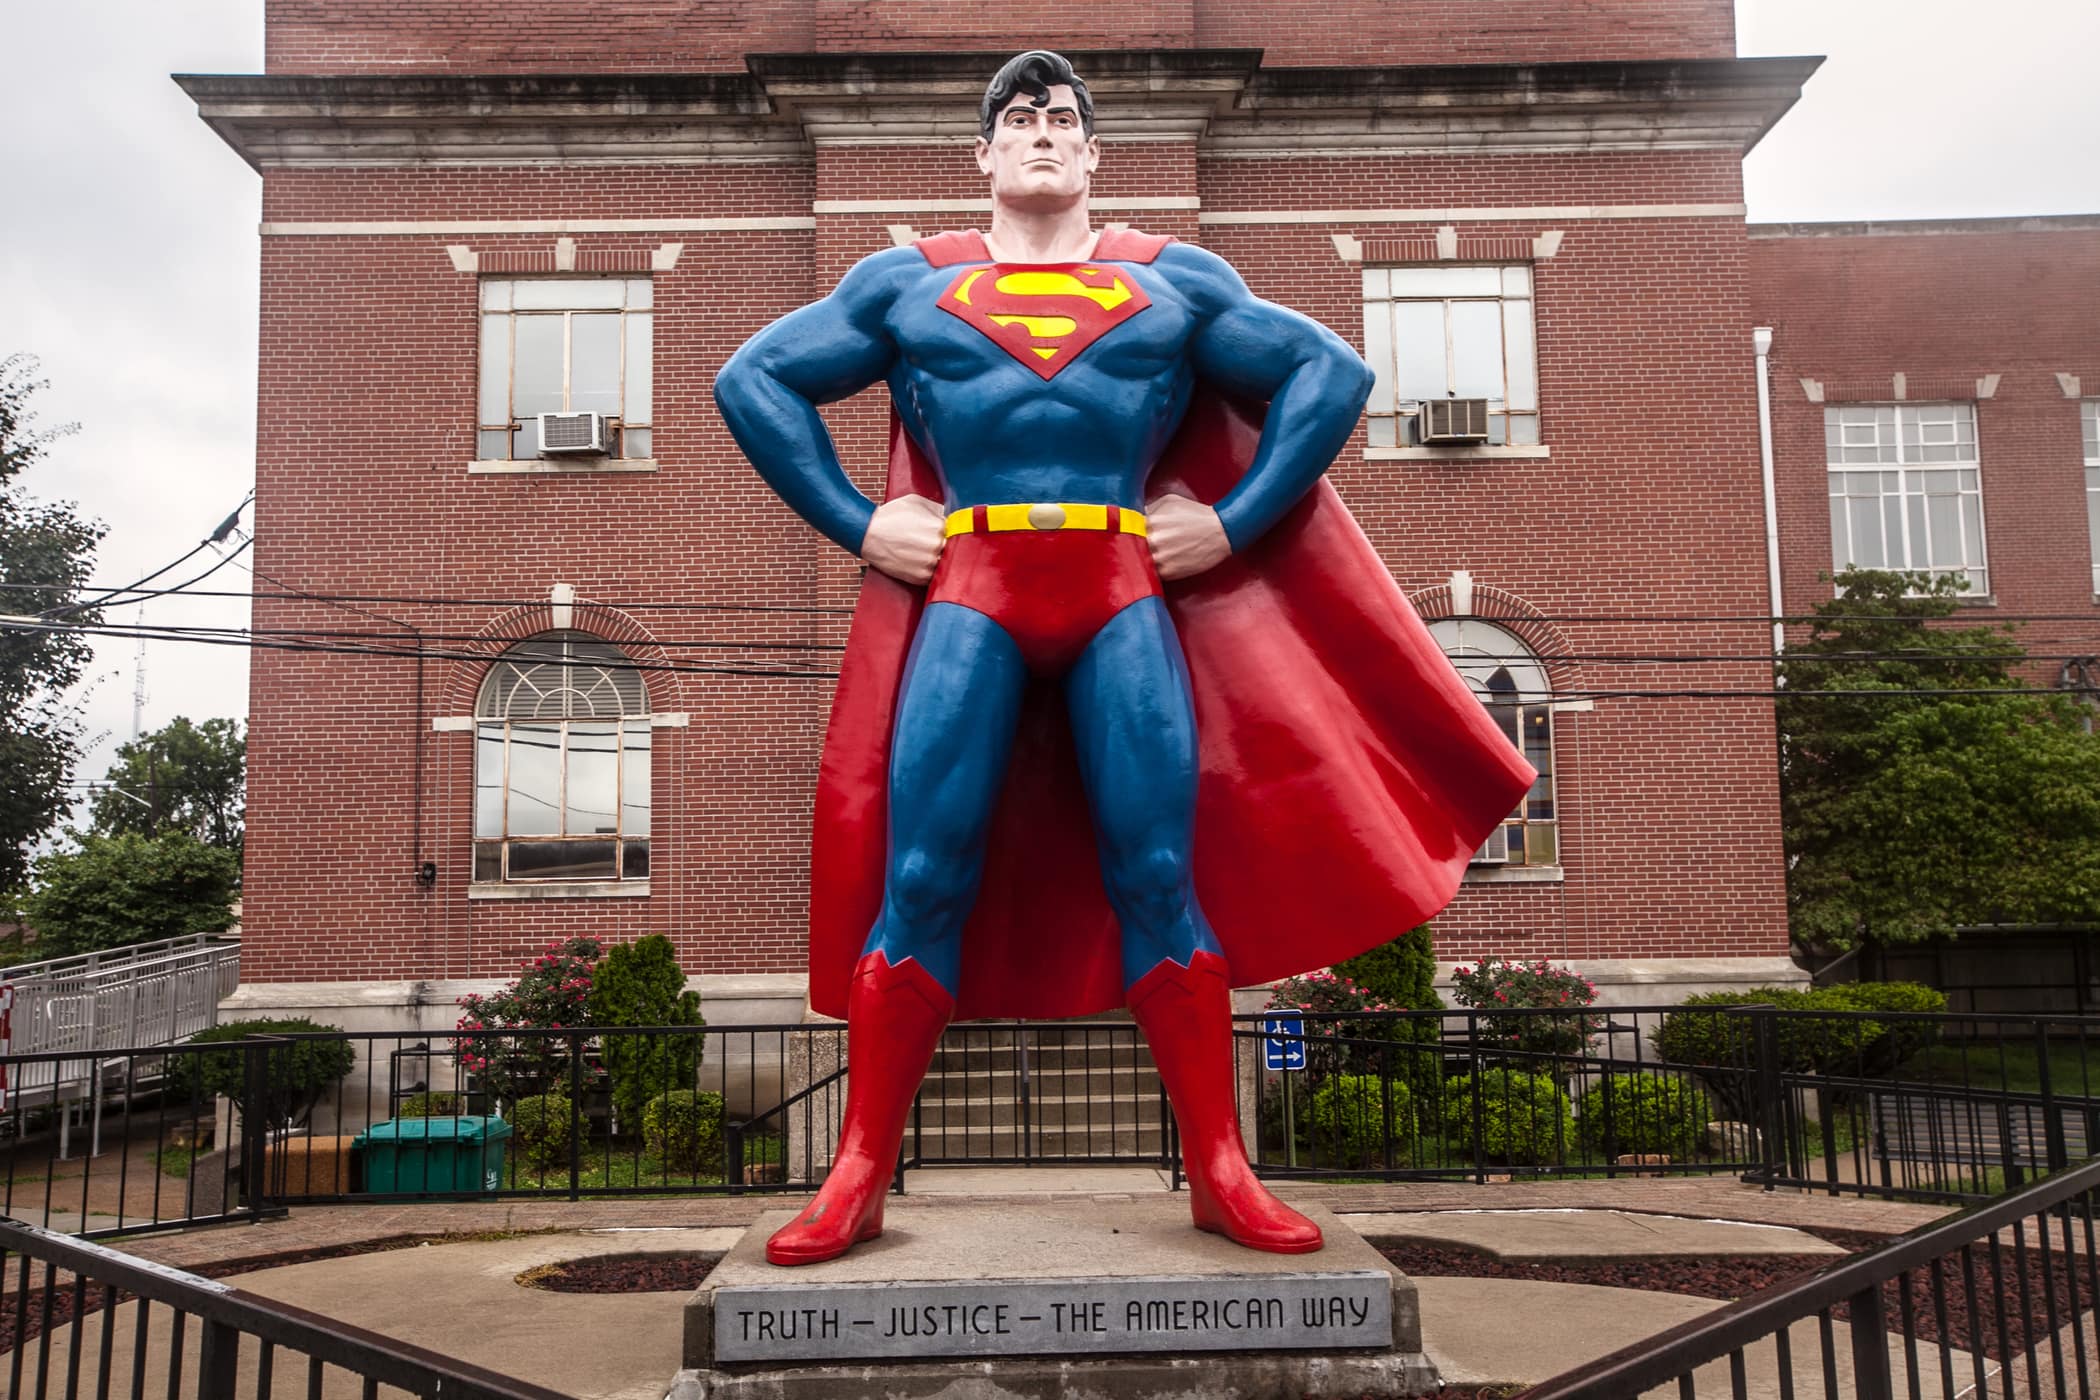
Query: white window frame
[1910, 450]
[2089, 431]
[1510, 681]
[1391, 293]
[506, 430]
[539, 690]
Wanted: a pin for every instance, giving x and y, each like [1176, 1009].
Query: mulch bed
[623, 1273]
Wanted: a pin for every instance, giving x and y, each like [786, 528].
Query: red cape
[1348, 774]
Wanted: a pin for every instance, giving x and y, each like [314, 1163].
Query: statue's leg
[955, 724]
[1136, 730]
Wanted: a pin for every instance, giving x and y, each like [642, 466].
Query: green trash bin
[440, 1156]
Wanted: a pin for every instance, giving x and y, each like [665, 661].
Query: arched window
[1508, 679]
[561, 764]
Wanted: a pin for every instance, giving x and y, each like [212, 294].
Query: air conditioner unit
[1454, 420]
[1495, 850]
[575, 434]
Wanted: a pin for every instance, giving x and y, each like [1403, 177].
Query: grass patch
[175, 1161]
[2074, 1067]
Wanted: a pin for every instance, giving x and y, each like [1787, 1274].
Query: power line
[224, 529]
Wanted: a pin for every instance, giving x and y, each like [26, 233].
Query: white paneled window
[1906, 489]
[1506, 676]
[561, 764]
[564, 345]
[1454, 333]
[2091, 412]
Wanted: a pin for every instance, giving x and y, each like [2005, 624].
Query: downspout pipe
[1761, 338]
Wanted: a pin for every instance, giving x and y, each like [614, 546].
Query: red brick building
[1936, 405]
[471, 217]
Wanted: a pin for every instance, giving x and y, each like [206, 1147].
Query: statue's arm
[769, 391]
[1315, 384]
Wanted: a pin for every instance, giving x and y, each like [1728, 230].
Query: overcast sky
[128, 244]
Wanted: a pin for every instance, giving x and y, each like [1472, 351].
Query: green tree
[1909, 814]
[46, 552]
[181, 777]
[1400, 973]
[641, 984]
[115, 890]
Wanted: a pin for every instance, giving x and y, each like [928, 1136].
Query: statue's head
[1036, 132]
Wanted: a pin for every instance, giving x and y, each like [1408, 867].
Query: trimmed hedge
[1353, 1115]
[540, 1129]
[1525, 1118]
[1644, 1113]
[295, 1073]
[683, 1130]
[432, 1105]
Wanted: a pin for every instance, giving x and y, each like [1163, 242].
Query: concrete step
[1061, 1112]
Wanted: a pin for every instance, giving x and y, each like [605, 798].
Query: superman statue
[1160, 723]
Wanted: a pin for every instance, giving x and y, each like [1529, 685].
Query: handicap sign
[1283, 1042]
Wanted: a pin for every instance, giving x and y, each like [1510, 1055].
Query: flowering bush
[1500, 984]
[1335, 1043]
[553, 993]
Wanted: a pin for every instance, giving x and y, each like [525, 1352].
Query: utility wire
[109, 595]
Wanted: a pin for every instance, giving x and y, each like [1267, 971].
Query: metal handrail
[1652, 1361]
[228, 1314]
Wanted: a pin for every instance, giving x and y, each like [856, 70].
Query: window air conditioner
[1454, 420]
[574, 434]
[1495, 850]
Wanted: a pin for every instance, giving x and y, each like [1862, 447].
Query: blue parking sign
[1283, 1042]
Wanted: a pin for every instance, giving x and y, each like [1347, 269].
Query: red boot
[894, 1015]
[1186, 1014]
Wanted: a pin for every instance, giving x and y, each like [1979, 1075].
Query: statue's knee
[929, 892]
[1152, 886]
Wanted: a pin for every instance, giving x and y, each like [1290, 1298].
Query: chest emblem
[1044, 317]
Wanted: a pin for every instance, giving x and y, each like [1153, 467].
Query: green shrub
[1353, 1115]
[683, 1130]
[640, 984]
[1525, 1118]
[296, 1073]
[433, 1105]
[1399, 973]
[1900, 1039]
[1644, 1113]
[540, 1126]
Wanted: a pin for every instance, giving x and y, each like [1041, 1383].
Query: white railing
[138, 997]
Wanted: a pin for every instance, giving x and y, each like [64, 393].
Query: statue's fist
[1187, 536]
[905, 538]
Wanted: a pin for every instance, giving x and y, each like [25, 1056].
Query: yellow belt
[1045, 515]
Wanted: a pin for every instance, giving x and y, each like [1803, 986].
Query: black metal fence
[1931, 1107]
[1995, 1301]
[92, 1321]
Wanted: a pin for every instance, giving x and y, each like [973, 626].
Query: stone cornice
[787, 103]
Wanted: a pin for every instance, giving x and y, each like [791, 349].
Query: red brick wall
[1946, 305]
[1648, 506]
[643, 36]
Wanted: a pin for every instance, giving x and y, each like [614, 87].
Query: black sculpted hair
[1034, 73]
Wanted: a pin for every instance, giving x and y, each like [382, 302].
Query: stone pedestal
[1105, 1297]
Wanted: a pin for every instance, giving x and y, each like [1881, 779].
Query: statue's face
[1039, 156]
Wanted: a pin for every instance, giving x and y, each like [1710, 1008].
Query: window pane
[1418, 348]
[1524, 430]
[1378, 284]
[1516, 281]
[488, 780]
[634, 779]
[592, 804]
[1840, 541]
[634, 442]
[1476, 349]
[1866, 535]
[535, 780]
[1523, 355]
[594, 364]
[1378, 353]
[492, 447]
[1542, 845]
[1914, 555]
[1972, 530]
[641, 357]
[562, 860]
[488, 862]
[636, 865]
[537, 382]
[571, 294]
[495, 295]
[1447, 281]
[641, 294]
[1945, 516]
[495, 370]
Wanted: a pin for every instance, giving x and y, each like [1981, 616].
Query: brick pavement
[324, 1227]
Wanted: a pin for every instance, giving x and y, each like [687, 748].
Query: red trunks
[1051, 590]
